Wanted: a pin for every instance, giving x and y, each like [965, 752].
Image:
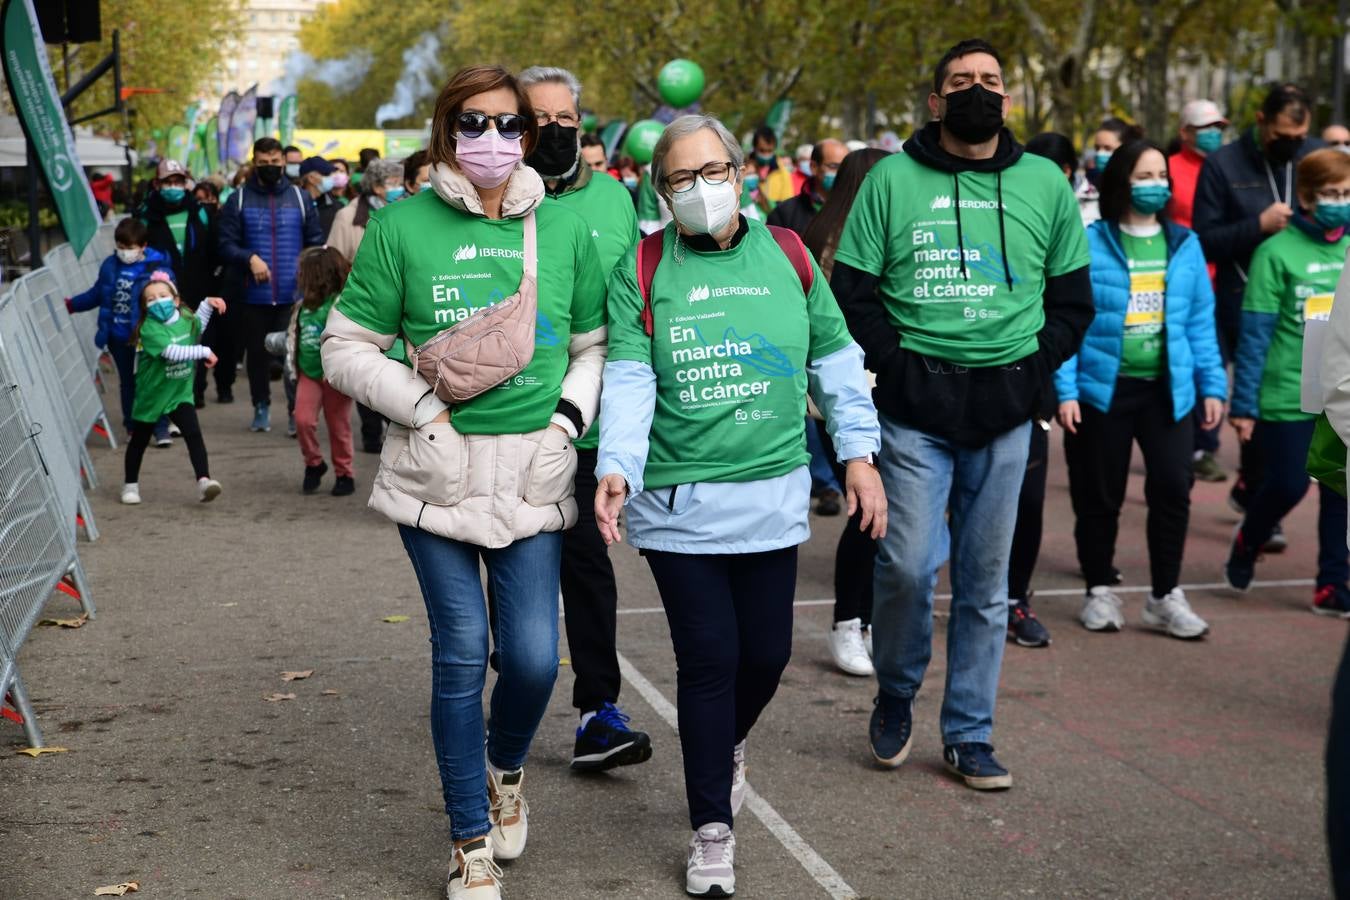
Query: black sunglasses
[473, 124]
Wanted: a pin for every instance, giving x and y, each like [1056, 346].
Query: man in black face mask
[262, 229]
[1246, 193]
[963, 273]
[590, 593]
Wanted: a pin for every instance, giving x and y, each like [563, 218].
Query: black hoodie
[196, 266]
[969, 406]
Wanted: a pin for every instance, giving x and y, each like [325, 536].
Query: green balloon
[641, 140]
[589, 122]
[680, 82]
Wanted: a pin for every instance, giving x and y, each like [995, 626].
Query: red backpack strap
[649, 252]
[793, 248]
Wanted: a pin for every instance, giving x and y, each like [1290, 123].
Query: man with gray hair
[590, 593]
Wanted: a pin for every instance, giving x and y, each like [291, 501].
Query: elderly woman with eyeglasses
[719, 327]
[487, 481]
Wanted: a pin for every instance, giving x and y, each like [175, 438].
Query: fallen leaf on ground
[329, 693]
[275, 698]
[296, 676]
[117, 890]
[35, 752]
[394, 620]
[76, 622]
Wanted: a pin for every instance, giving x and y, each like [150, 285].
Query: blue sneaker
[975, 765]
[162, 436]
[890, 730]
[262, 419]
[606, 741]
[1241, 566]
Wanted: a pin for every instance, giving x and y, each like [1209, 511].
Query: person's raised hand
[216, 303]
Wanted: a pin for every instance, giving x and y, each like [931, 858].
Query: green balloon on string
[680, 82]
[589, 122]
[641, 140]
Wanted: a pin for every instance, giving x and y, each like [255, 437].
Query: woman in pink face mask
[488, 480]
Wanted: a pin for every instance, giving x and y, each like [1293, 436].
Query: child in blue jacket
[121, 278]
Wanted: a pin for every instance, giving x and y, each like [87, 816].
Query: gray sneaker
[1174, 615]
[1101, 610]
[712, 856]
[738, 782]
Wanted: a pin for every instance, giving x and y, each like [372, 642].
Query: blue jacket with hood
[116, 294]
[276, 222]
[1192, 346]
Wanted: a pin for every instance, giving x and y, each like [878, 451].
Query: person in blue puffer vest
[1153, 340]
[116, 296]
[263, 227]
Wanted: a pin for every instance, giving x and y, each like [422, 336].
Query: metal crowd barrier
[37, 535]
[73, 278]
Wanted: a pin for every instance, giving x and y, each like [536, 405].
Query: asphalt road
[1144, 766]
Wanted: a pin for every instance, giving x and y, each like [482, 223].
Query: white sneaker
[867, 640]
[473, 873]
[508, 812]
[174, 430]
[1174, 615]
[208, 489]
[712, 856]
[131, 494]
[1101, 610]
[737, 778]
[848, 649]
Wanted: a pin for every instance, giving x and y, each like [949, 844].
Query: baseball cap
[168, 167]
[317, 164]
[1199, 113]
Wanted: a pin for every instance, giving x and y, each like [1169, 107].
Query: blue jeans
[524, 583]
[926, 477]
[822, 473]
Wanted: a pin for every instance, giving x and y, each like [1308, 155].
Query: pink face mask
[488, 159]
[339, 180]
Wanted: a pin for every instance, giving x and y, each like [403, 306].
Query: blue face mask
[827, 180]
[325, 184]
[1149, 197]
[1209, 140]
[1102, 157]
[630, 183]
[173, 194]
[751, 182]
[160, 310]
[394, 193]
[1332, 215]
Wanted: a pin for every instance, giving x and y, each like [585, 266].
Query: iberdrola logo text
[944, 201]
[703, 292]
[470, 252]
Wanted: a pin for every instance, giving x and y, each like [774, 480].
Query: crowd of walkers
[553, 350]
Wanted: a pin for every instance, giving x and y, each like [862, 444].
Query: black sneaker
[830, 503]
[606, 741]
[224, 396]
[1024, 629]
[1276, 543]
[344, 486]
[313, 475]
[891, 729]
[1241, 566]
[975, 765]
[1332, 600]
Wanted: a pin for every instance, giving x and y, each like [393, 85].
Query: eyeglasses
[1333, 196]
[565, 119]
[682, 180]
[1338, 143]
[473, 124]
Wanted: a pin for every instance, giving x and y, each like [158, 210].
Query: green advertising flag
[212, 145]
[286, 119]
[180, 143]
[44, 122]
[778, 116]
[190, 115]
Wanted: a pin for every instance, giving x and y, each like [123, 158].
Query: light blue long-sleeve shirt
[727, 517]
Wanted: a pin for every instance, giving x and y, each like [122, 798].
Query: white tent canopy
[97, 152]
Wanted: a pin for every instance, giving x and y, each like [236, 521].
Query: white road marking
[814, 864]
[1054, 592]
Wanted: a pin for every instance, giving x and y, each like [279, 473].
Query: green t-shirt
[177, 223]
[1141, 354]
[732, 338]
[163, 386]
[607, 209]
[1292, 275]
[309, 325]
[902, 229]
[423, 266]
[648, 203]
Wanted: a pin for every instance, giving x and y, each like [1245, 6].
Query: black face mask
[557, 151]
[1282, 149]
[974, 115]
[269, 175]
